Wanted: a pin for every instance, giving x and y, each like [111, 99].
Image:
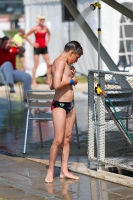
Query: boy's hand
[75, 80]
[51, 85]
[73, 71]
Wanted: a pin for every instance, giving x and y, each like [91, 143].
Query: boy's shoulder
[59, 61]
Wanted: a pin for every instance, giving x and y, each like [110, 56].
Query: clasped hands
[73, 72]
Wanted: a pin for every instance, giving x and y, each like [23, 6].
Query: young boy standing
[63, 110]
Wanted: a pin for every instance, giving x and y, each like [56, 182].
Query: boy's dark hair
[75, 46]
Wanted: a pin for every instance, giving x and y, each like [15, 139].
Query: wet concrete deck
[21, 178]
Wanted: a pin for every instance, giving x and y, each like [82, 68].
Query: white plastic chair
[41, 99]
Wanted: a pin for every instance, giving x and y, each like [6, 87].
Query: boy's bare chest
[67, 71]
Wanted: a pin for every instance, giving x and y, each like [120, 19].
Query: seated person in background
[18, 37]
[8, 65]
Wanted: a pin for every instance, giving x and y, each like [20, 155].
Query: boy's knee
[68, 139]
[58, 143]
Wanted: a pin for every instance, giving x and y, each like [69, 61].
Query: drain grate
[29, 190]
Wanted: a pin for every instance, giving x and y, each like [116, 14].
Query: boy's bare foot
[62, 175]
[49, 177]
[69, 175]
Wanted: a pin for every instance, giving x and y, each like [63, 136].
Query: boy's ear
[71, 52]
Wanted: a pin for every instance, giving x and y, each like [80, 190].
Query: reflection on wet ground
[23, 179]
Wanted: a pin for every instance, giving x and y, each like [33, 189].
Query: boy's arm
[59, 71]
[51, 86]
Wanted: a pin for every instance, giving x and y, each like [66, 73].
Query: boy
[63, 110]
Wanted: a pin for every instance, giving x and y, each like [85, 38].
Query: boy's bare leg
[66, 146]
[59, 121]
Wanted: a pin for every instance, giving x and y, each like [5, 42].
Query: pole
[69, 30]
[90, 35]
[93, 39]
[99, 37]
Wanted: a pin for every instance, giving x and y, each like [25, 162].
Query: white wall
[5, 25]
[53, 21]
[59, 33]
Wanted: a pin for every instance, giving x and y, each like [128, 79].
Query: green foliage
[18, 63]
[81, 79]
[41, 80]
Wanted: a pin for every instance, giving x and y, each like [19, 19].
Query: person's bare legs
[36, 60]
[70, 120]
[47, 60]
[59, 122]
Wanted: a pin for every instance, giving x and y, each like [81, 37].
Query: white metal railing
[108, 144]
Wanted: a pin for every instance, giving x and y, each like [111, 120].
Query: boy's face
[73, 57]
